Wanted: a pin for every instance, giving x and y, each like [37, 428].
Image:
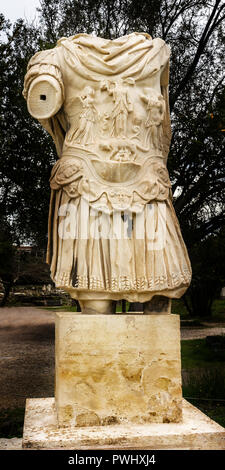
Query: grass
[178, 308]
[218, 310]
[69, 308]
[213, 409]
[11, 422]
[62, 308]
[205, 389]
[205, 384]
[204, 378]
[196, 354]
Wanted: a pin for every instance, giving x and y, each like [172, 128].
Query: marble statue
[113, 232]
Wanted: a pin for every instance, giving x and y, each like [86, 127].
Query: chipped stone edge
[197, 432]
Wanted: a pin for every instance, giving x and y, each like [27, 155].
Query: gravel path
[27, 353]
[202, 332]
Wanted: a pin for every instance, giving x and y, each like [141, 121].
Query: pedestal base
[196, 431]
[117, 369]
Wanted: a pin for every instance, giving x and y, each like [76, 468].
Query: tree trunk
[201, 300]
[7, 288]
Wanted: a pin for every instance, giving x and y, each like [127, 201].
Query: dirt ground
[27, 353]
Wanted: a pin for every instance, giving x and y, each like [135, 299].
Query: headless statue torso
[113, 232]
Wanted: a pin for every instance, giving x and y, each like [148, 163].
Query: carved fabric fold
[134, 256]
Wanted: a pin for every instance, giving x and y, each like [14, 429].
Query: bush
[11, 423]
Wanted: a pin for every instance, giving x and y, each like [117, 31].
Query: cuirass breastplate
[112, 132]
[114, 148]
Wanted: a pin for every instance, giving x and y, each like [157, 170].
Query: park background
[194, 29]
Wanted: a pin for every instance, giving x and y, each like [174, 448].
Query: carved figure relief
[105, 124]
[122, 105]
[85, 134]
[155, 113]
[137, 127]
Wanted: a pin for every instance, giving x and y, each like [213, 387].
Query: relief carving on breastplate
[129, 120]
[85, 132]
[155, 107]
[137, 128]
[117, 140]
[122, 104]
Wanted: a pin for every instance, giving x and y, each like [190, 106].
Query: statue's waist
[123, 183]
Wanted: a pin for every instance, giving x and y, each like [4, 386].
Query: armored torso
[105, 103]
[116, 119]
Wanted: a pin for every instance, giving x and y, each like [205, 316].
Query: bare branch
[208, 30]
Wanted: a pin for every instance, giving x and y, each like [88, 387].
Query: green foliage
[27, 153]
[208, 262]
[215, 410]
[8, 265]
[7, 253]
[17, 267]
[203, 381]
[178, 308]
[196, 353]
[205, 389]
[218, 309]
[207, 383]
[11, 423]
[196, 160]
[32, 270]
[106, 18]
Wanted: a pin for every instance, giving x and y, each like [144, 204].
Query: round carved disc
[44, 97]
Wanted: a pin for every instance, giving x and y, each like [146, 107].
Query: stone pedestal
[118, 386]
[117, 369]
[196, 431]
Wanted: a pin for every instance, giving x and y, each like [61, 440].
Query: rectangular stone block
[196, 432]
[117, 369]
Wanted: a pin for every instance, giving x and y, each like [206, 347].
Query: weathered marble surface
[11, 444]
[113, 232]
[196, 431]
[119, 368]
